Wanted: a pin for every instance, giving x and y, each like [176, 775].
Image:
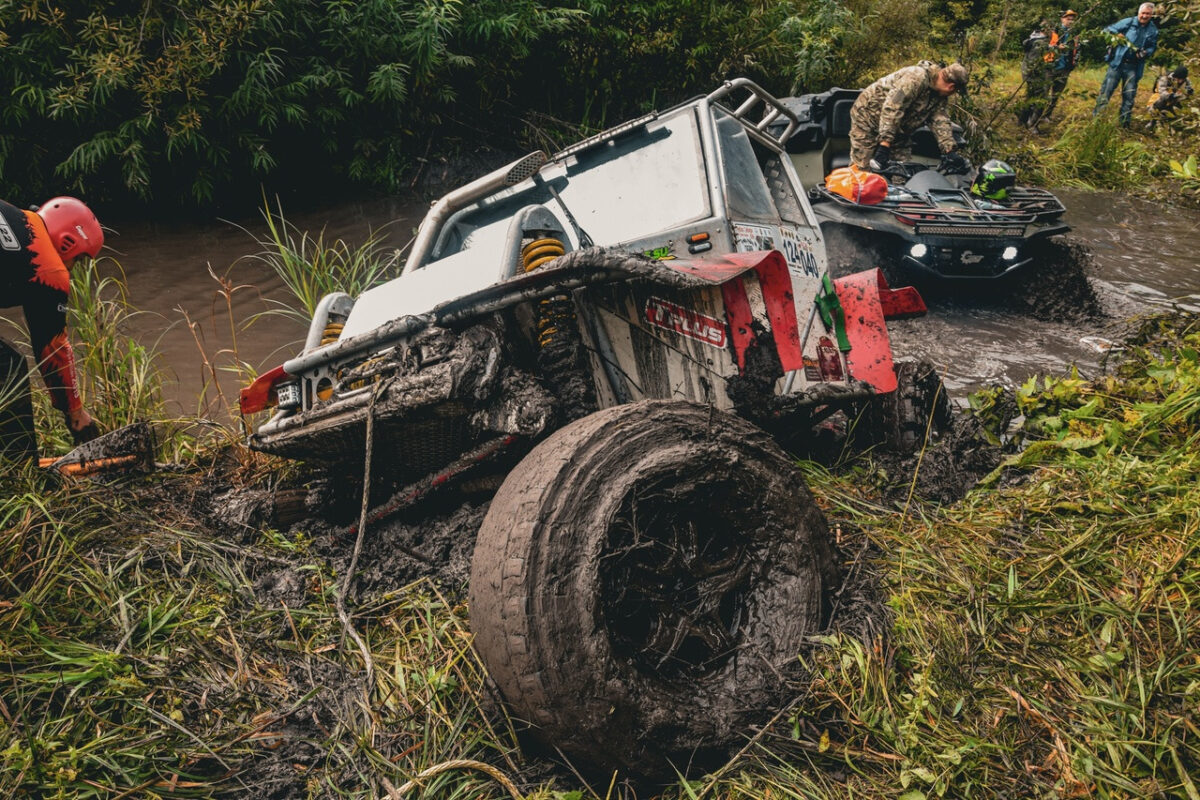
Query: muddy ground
[433, 539]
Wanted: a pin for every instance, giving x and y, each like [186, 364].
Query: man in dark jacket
[1035, 71]
[37, 248]
[1134, 40]
[888, 111]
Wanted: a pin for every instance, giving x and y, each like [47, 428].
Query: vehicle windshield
[647, 180]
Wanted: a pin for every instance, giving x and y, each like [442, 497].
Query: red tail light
[261, 394]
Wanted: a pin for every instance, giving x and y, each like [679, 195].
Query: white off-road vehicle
[635, 322]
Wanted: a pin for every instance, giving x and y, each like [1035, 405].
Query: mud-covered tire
[643, 580]
[918, 407]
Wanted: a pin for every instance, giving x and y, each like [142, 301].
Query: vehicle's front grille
[967, 230]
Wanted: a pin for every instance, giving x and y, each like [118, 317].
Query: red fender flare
[868, 302]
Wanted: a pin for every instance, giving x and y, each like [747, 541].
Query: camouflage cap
[956, 73]
[1069, 13]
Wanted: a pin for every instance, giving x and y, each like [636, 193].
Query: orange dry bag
[857, 184]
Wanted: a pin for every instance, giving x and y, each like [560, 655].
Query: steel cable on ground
[340, 595]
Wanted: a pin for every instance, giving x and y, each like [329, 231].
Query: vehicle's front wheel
[643, 580]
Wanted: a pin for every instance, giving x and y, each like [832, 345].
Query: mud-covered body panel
[710, 269]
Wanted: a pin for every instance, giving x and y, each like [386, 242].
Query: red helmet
[73, 227]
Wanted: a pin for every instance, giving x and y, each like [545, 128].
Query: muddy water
[187, 279]
[1143, 256]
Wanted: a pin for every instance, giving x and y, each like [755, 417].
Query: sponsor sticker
[8, 239]
[663, 253]
[749, 237]
[692, 324]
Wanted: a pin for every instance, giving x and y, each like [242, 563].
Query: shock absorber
[554, 313]
[333, 331]
[561, 358]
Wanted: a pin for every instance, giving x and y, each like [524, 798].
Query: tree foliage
[198, 97]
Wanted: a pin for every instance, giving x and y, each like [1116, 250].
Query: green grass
[1045, 633]
[1072, 148]
[312, 267]
[138, 657]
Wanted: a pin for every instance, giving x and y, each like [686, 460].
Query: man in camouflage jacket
[888, 111]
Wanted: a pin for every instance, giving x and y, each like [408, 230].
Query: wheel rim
[676, 574]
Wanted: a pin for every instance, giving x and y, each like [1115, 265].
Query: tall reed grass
[121, 376]
[312, 267]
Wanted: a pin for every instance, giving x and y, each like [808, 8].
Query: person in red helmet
[37, 249]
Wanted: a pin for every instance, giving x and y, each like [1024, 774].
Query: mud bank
[319, 695]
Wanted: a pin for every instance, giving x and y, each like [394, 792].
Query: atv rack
[954, 212]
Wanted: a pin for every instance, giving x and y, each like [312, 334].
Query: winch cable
[340, 595]
[415, 491]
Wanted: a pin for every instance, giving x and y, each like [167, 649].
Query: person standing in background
[1134, 40]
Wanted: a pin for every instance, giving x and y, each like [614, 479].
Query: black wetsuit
[33, 276]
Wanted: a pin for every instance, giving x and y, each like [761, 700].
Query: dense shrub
[194, 99]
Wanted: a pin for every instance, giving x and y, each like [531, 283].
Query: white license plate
[288, 395]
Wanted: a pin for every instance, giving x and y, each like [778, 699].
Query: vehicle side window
[746, 191]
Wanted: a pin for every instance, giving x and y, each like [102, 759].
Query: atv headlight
[1009, 253]
[918, 250]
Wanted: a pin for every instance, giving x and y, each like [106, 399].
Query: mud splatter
[943, 472]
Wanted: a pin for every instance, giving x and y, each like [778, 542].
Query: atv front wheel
[644, 579]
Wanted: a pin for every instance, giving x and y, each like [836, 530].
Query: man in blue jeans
[1135, 39]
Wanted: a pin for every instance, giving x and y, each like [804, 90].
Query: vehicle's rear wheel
[643, 580]
[902, 420]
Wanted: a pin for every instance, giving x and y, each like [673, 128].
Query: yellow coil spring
[554, 311]
[540, 251]
[331, 333]
[370, 362]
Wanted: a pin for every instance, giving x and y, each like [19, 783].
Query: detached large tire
[644, 579]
